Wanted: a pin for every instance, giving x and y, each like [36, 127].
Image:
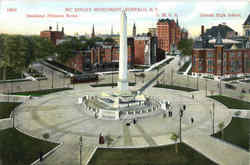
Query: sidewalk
[217, 150]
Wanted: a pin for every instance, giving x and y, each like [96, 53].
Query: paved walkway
[59, 115]
[217, 150]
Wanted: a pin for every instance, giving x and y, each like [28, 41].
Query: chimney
[50, 28]
[202, 30]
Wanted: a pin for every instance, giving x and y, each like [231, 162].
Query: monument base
[122, 86]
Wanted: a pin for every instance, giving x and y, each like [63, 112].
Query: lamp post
[206, 86]
[135, 77]
[80, 150]
[213, 105]
[52, 79]
[180, 115]
[197, 82]
[13, 118]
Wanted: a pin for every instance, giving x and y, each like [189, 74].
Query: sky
[78, 16]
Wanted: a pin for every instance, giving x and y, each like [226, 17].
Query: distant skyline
[17, 16]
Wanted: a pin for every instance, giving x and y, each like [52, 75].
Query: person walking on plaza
[192, 120]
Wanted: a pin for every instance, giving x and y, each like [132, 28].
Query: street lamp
[80, 150]
[197, 83]
[213, 116]
[13, 119]
[52, 80]
[181, 115]
[112, 66]
[206, 86]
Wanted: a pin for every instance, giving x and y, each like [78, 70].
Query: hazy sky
[15, 15]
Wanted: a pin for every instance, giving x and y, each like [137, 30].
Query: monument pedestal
[123, 85]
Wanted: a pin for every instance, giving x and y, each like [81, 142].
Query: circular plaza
[141, 124]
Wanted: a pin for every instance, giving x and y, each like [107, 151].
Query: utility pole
[180, 115]
[206, 86]
[213, 116]
[197, 83]
[80, 150]
[172, 72]
[52, 79]
[112, 66]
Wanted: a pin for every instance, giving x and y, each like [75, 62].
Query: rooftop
[247, 22]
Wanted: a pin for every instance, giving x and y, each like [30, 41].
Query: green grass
[110, 84]
[19, 149]
[175, 87]
[6, 108]
[11, 74]
[245, 81]
[232, 78]
[150, 156]
[237, 133]
[184, 67]
[40, 92]
[231, 102]
[211, 78]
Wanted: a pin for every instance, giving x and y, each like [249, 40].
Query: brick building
[106, 54]
[145, 50]
[80, 62]
[246, 29]
[168, 33]
[220, 58]
[52, 35]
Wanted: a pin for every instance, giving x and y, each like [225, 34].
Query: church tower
[93, 32]
[134, 30]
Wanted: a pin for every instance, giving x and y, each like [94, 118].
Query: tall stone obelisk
[123, 57]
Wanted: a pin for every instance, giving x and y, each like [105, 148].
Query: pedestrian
[192, 120]
[134, 121]
[41, 156]
[192, 96]
[181, 113]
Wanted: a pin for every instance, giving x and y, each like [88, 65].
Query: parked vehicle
[84, 78]
[229, 86]
[243, 91]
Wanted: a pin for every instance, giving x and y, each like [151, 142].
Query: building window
[210, 63]
[210, 55]
[200, 68]
[232, 54]
[209, 70]
[224, 56]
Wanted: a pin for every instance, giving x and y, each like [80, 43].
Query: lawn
[41, 92]
[150, 156]
[245, 81]
[231, 102]
[11, 74]
[232, 78]
[19, 149]
[6, 108]
[175, 87]
[237, 132]
[110, 84]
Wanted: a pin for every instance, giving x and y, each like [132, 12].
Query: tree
[69, 49]
[175, 137]
[186, 46]
[221, 127]
[110, 40]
